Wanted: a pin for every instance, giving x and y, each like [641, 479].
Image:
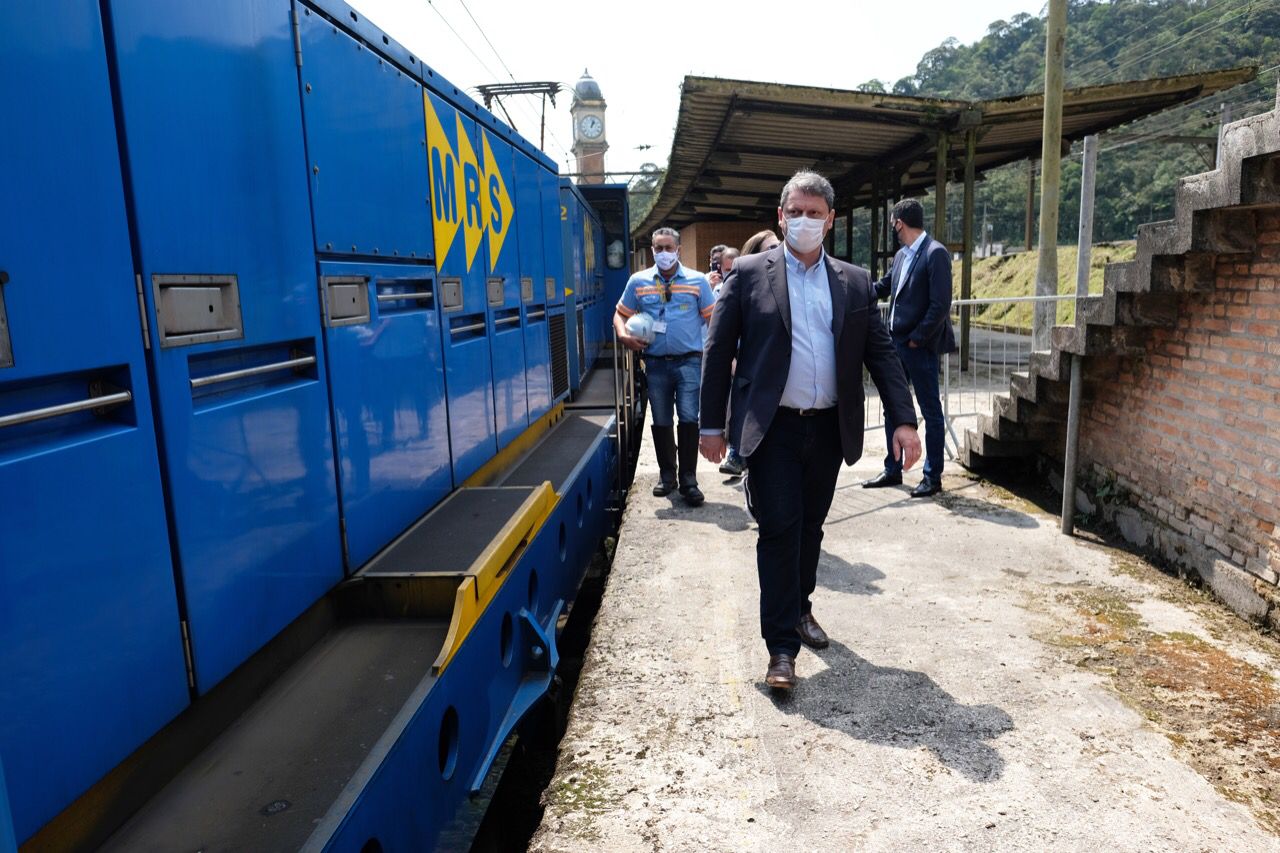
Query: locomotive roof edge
[355, 24]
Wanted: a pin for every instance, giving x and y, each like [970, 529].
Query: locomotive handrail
[506, 321]
[473, 327]
[18, 418]
[396, 297]
[245, 373]
[535, 315]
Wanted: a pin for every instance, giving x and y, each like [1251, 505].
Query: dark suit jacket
[923, 310]
[752, 322]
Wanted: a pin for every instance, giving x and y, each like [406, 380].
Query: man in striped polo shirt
[679, 301]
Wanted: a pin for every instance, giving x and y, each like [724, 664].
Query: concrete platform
[959, 706]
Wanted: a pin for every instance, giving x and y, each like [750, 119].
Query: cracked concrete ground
[991, 685]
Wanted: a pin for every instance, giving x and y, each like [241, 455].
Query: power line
[1155, 18]
[521, 104]
[1196, 31]
[461, 40]
[485, 65]
[486, 39]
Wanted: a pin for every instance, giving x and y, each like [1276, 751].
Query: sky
[640, 53]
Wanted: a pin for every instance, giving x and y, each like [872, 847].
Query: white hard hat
[641, 326]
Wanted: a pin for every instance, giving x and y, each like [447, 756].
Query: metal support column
[966, 264]
[1029, 227]
[848, 235]
[1083, 258]
[875, 227]
[1050, 174]
[940, 191]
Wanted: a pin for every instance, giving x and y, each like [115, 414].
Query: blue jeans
[673, 389]
[921, 365]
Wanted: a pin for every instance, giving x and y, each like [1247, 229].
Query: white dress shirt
[900, 275]
[811, 380]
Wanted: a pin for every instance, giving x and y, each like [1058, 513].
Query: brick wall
[1190, 429]
[696, 240]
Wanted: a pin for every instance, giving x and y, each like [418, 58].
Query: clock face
[591, 126]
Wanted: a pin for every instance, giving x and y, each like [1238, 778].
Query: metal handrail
[18, 418]
[245, 373]
[535, 315]
[396, 297]
[506, 321]
[1057, 297]
[473, 327]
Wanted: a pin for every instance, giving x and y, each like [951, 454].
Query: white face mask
[665, 260]
[805, 234]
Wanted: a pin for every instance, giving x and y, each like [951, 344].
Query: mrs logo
[466, 194]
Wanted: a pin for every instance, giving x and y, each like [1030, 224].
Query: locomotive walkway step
[376, 648]
[981, 692]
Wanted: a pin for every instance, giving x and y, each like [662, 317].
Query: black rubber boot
[664, 445]
[689, 465]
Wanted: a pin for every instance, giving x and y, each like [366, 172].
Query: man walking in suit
[801, 325]
[919, 289]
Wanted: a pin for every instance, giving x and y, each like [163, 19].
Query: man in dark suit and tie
[919, 290]
[802, 326]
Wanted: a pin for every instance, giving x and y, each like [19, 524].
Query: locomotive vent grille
[559, 357]
[583, 367]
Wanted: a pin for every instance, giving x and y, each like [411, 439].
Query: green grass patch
[1015, 275]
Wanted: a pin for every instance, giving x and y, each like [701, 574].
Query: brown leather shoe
[782, 672]
[811, 633]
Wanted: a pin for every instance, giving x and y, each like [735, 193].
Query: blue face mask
[665, 260]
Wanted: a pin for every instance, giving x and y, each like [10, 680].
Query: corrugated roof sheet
[738, 141]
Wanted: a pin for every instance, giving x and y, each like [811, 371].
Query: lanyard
[664, 285]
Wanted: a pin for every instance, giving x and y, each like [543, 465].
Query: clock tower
[589, 142]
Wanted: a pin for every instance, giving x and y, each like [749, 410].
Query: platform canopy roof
[738, 141]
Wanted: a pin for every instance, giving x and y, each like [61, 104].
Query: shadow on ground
[839, 575]
[728, 517]
[902, 708]
[983, 510]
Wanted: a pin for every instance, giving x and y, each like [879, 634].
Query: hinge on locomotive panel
[297, 40]
[186, 653]
[142, 312]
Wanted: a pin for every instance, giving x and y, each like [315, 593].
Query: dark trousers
[791, 479]
[922, 370]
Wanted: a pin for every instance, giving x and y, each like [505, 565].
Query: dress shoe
[663, 488]
[926, 488]
[811, 633]
[782, 672]
[732, 465]
[692, 495]
[884, 478]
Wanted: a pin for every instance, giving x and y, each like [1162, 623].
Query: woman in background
[761, 241]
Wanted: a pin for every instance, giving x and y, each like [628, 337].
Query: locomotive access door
[461, 291]
[209, 96]
[369, 195]
[533, 289]
[553, 225]
[503, 286]
[91, 661]
[386, 376]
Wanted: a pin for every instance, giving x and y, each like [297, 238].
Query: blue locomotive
[304, 445]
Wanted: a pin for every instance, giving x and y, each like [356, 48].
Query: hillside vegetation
[1015, 275]
[1106, 42]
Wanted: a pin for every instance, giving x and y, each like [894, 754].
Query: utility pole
[1050, 173]
[1084, 246]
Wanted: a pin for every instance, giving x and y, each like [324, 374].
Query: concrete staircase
[1212, 219]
